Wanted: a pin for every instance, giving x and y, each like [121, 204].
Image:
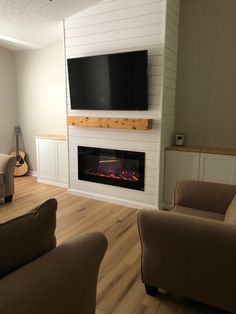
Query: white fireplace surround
[118, 26]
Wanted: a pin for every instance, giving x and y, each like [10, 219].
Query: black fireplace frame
[124, 154]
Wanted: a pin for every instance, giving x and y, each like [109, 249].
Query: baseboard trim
[111, 199]
[32, 173]
[60, 184]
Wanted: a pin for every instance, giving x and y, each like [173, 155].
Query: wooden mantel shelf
[115, 123]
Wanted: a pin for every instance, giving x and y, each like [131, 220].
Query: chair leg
[8, 199]
[150, 290]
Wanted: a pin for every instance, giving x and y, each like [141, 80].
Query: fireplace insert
[110, 166]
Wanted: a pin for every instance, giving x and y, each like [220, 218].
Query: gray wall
[41, 99]
[206, 75]
[8, 114]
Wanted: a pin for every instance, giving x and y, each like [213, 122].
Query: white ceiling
[29, 24]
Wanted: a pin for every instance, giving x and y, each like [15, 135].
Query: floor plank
[120, 290]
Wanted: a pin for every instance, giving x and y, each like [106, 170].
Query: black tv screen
[109, 82]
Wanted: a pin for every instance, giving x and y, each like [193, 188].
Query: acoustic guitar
[21, 167]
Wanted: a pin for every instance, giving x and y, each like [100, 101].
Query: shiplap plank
[133, 135]
[152, 113]
[121, 14]
[169, 64]
[170, 55]
[174, 6]
[170, 74]
[111, 6]
[171, 36]
[149, 30]
[171, 45]
[171, 83]
[168, 110]
[169, 92]
[137, 23]
[115, 144]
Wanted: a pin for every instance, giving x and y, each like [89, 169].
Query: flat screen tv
[109, 82]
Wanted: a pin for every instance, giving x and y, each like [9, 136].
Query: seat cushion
[27, 237]
[230, 216]
[197, 213]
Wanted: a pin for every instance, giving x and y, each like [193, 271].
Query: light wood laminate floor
[120, 289]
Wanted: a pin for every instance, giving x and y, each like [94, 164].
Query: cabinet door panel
[62, 162]
[179, 165]
[46, 159]
[217, 168]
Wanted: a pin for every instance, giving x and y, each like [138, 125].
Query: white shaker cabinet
[52, 160]
[205, 164]
[217, 168]
[179, 165]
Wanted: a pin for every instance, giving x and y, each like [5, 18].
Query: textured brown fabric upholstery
[207, 196]
[61, 281]
[27, 237]
[197, 213]
[230, 216]
[190, 255]
[7, 166]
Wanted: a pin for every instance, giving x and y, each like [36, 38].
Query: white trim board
[60, 184]
[110, 199]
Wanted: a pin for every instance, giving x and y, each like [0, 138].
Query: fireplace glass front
[114, 167]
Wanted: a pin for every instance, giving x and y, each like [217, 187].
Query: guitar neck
[17, 132]
[17, 144]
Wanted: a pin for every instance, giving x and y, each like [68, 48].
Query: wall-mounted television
[109, 82]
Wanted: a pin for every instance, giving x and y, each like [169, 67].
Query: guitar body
[21, 167]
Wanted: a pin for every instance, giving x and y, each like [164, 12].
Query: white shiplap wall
[169, 85]
[109, 27]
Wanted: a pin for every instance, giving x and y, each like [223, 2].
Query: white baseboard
[60, 184]
[111, 199]
[32, 173]
[166, 206]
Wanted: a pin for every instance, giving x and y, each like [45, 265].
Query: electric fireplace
[110, 166]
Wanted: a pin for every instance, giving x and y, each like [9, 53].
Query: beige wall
[206, 76]
[8, 114]
[41, 100]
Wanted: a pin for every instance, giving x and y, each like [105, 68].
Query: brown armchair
[37, 277]
[191, 250]
[7, 166]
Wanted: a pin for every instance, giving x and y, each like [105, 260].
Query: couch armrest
[190, 256]
[61, 281]
[7, 167]
[208, 196]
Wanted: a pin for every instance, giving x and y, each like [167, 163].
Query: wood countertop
[203, 149]
[52, 137]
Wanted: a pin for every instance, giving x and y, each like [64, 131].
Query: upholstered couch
[7, 166]
[36, 277]
[191, 250]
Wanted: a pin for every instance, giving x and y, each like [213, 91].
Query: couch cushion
[27, 237]
[197, 213]
[230, 216]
